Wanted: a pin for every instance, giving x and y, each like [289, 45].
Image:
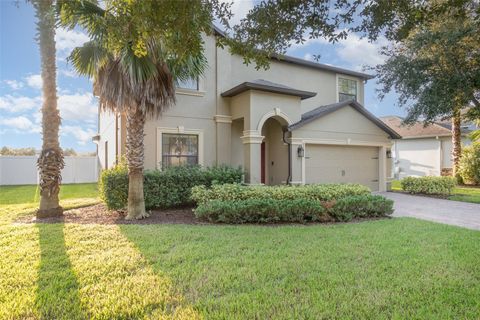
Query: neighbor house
[423, 150]
[297, 122]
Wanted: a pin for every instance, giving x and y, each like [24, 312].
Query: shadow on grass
[57, 295]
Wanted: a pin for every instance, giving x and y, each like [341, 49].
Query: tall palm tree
[126, 82]
[50, 162]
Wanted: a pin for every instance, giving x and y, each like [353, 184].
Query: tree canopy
[436, 69]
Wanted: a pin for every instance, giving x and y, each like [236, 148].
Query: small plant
[429, 185]
[469, 167]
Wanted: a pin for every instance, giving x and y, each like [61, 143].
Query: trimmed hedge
[429, 185]
[233, 203]
[315, 192]
[164, 189]
[368, 206]
[262, 211]
[295, 210]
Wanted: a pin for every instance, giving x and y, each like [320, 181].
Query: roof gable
[322, 111]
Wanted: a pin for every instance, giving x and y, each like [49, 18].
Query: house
[297, 122]
[423, 150]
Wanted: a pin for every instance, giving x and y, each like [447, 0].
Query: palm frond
[88, 58]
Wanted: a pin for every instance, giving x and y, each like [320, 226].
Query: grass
[30, 193]
[460, 193]
[385, 269]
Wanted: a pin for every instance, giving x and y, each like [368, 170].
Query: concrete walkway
[455, 213]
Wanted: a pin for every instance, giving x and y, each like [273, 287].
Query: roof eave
[255, 86]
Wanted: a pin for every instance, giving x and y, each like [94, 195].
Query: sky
[20, 81]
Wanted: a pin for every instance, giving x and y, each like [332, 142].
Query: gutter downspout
[289, 178]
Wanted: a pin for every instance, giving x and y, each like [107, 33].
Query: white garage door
[342, 164]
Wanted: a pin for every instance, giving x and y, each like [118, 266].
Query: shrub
[469, 167]
[294, 210]
[314, 192]
[364, 206]
[429, 185]
[163, 189]
[262, 211]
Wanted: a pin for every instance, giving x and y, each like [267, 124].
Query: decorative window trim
[337, 91]
[178, 130]
[199, 92]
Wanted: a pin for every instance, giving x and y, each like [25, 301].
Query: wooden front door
[262, 163]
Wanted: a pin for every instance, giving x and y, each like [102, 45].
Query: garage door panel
[342, 164]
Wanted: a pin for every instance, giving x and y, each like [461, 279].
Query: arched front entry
[274, 152]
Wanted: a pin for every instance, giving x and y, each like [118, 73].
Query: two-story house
[297, 122]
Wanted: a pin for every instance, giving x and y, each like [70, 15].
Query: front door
[262, 163]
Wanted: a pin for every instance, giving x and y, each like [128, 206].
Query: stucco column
[382, 169]
[252, 141]
[224, 133]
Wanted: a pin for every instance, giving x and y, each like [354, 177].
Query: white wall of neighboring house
[18, 170]
[422, 156]
[107, 144]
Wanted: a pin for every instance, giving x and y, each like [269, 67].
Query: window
[179, 149]
[191, 84]
[347, 89]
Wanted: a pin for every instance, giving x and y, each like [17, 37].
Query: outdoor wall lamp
[300, 151]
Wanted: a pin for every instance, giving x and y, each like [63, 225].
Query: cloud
[20, 123]
[359, 52]
[81, 134]
[239, 9]
[78, 107]
[308, 57]
[35, 81]
[75, 107]
[307, 42]
[14, 84]
[16, 104]
[67, 73]
[66, 39]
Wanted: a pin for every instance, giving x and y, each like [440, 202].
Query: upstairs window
[347, 89]
[190, 84]
[179, 149]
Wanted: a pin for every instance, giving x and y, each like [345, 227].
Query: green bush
[469, 168]
[429, 185]
[262, 211]
[314, 192]
[294, 210]
[364, 206]
[163, 189]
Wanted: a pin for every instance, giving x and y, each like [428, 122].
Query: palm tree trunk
[50, 163]
[135, 157]
[456, 141]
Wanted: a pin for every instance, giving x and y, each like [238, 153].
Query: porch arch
[278, 115]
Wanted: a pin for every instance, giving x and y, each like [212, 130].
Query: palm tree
[50, 162]
[137, 85]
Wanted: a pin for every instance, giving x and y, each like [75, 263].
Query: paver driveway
[456, 213]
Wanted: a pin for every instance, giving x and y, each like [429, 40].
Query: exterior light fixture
[389, 154]
[300, 151]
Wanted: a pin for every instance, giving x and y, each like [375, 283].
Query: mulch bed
[99, 214]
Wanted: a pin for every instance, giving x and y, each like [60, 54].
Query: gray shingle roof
[321, 111]
[418, 129]
[268, 86]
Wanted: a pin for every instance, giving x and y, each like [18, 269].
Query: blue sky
[20, 81]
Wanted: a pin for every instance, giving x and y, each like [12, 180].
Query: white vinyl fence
[15, 170]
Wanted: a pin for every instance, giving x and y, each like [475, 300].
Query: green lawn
[384, 269]
[465, 194]
[30, 193]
